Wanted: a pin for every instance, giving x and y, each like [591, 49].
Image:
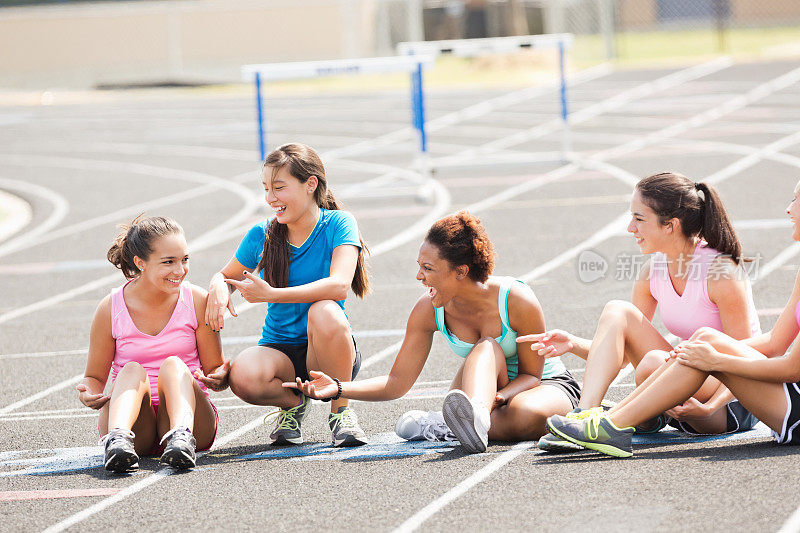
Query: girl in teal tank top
[503, 390]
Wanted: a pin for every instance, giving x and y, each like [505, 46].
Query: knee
[247, 382]
[651, 361]
[173, 366]
[134, 370]
[485, 345]
[617, 310]
[326, 319]
[706, 334]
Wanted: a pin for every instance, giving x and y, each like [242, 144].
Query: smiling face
[651, 235]
[168, 263]
[793, 209]
[437, 274]
[290, 198]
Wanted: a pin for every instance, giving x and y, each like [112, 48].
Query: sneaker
[555, 444]
[120, 454]
[345, 430]
[595, 432]
[654, 425]
[422, 425]
[469, 421]
[287, 424]
[179, 451]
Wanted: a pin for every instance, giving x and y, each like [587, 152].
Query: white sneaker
[468, 420]
[423, 425]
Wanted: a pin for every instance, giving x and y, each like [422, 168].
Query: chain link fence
[605, 29]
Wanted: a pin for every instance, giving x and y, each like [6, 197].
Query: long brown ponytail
[302, 162]
[673, 195]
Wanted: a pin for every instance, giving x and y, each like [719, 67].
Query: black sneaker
[179, 451]
[120, 454]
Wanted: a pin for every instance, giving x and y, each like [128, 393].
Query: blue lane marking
[45, 462]
[673, 436]
[383, 446]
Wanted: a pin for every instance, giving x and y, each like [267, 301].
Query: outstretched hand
[87, 398]
[217, 379]
[552, 343]
[253, 288]
[320, 387]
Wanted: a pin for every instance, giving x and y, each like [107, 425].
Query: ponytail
[136, 240]
[302, 162]
[717, 229]
[671, 195]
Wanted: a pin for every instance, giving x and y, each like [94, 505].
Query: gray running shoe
[345, 430]
[179, 453]
[120, 455]
[423, 425]
[654, 425]
[468, 420]
[553, 444]
[595, 432]
[287, 423]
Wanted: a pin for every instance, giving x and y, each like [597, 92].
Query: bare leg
[523, 418]
[623, 334]
[176, 393]
[257, 375]
[483, 372]
[129, 407]
[204, 417]
[330, 344]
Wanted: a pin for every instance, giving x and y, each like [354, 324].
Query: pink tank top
[797, 313]
[683, 315]
[150, 351]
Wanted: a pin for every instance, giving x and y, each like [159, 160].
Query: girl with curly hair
[503, 390]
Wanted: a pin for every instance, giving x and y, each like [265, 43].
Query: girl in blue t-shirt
[309, 255]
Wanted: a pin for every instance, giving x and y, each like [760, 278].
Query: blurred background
[89, 44]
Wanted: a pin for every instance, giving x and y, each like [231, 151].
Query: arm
[334, 287]
[525, 316]
[219, 294]
[728, 291]
[776, 341]
[215, 369]
[101, 354]
[642, 298]
[405, 370]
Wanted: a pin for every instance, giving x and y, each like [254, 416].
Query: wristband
[338, 394]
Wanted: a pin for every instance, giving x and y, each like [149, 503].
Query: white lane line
[16, 214]
[210, 184]
[41, 394]
[792, 525]
[592, 111]
[416, 520]
[59, 204]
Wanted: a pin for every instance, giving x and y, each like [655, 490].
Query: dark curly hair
[462, 240]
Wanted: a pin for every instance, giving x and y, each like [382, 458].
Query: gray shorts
[566, 383]
[739, 419]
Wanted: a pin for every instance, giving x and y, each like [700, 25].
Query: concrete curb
[15, 214]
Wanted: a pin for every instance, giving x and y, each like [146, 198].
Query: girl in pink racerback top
[149, 334]
[695, 279]
[759, 371]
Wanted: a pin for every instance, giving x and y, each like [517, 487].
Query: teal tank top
[507, 339]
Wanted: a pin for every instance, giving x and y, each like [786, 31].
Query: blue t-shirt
[286, 322]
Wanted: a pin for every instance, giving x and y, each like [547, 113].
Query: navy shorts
[739, 419]
[790, 432]
[566, 383]
[297, 354]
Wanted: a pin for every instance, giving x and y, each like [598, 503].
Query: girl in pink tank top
[758, 370]
[694, 279]
[146, 334]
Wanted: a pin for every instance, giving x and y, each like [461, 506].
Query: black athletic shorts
[297, 354]
[739, 419]
[790, 432]
[566, 383]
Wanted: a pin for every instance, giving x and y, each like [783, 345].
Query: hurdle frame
[413, 64]
[499, 45]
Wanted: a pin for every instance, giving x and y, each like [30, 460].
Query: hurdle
[505, 45]
[260, 73]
